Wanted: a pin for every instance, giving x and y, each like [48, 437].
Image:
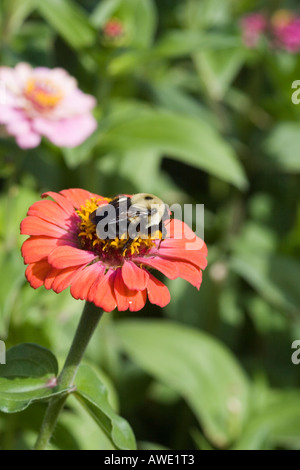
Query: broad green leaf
[188, 139]
[283, 146]
[28, 375]
[276, 421]
[197, 366]
[69, 20]
[92, 393]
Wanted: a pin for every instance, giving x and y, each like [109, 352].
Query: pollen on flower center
[108, 248]
[43, 94]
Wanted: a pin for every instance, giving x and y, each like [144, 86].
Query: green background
[186, 112]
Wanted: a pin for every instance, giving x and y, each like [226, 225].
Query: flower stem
[87, 325]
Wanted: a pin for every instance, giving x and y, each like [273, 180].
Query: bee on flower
[65, 249]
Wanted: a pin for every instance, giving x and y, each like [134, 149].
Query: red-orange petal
[64, 257]
[62, 201]
[37, 248]
[51, 212]
[59, 280]
[84, 279]
[134, 277]
[35, 226]
[36, 273]
[102, 292]
[126, 298]
[158, 293]
[163, 265]
[190, 273]
[78, 196]
[195, 257]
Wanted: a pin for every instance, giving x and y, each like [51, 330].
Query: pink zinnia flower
[44, 102]
[253, 26]
[63, 251]
[286, 30]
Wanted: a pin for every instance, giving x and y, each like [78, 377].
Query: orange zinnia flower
[63, 250]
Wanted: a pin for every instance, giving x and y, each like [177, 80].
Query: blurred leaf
[217, 71]
[17, 11]
[283, 146]
[92, 393]
[103, 12]
[276, 419]
[188, 139]
[198, 367]
[69, 20]
[275, 277]
[181, 43]
[28, 375]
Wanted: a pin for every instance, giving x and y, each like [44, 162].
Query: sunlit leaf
[197, 366]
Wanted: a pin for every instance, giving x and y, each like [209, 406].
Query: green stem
[87, 325]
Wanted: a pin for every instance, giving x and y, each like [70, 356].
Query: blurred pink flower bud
[253, 26]
[286, 30]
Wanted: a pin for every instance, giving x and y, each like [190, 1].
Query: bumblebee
[140, 215]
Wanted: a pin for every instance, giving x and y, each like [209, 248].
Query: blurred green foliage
[185, 111]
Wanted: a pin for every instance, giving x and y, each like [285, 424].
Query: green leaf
[103, 12]
[277, 420]
[17, 11]
[197, 366]
[92, 393]
[69, 20]
[185, 138]
[283, 146]
[180, 43]
[217, 71]
[28, 375]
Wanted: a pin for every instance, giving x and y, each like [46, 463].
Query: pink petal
[66, 256]
[69, 132]
[28, 141]
[134, 277]
[77, 102]
[195, 257]
[158, 293]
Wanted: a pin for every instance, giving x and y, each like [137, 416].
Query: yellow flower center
[109, 247]
[43, 93]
